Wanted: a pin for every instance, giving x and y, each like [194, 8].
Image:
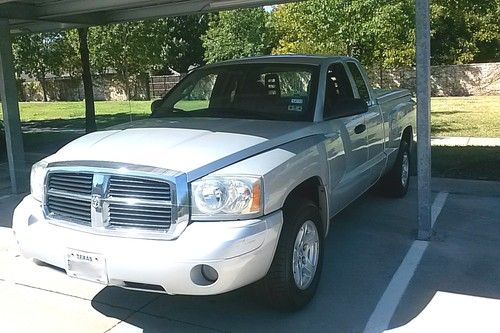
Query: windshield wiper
[244, 113]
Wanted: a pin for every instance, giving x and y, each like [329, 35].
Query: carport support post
[90, 124]
[423, 119]
[10, 107]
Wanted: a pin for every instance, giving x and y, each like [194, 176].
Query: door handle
[360, 128]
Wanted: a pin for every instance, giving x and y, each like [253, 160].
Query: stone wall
[454, 80]
[106, 88]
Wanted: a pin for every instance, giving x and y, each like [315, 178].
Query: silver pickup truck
[233, 180]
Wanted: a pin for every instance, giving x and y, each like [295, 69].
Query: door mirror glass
[155, 106]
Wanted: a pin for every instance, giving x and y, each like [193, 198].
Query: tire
[282, 288]
[395, 183]
[3, 146]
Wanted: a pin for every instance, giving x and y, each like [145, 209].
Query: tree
[465, 31]
[122, 48]
[176, 42]
[238, 33]
[37, 56]
[377, 32]
[134, 49]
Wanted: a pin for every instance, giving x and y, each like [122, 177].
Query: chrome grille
[157, 218]
[65, 197]
[108, 202]
[132, 187]
[80, 183]
[73, 210]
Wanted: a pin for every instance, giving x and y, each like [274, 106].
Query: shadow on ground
[462, 258]
[365, 246]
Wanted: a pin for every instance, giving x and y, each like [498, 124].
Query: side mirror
[350, 107]
[155, 105]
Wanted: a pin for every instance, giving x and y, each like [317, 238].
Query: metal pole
[90, 124]
[10, 106]
[423, 119]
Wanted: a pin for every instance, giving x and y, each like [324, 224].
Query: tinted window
[338, 88]
[258, 91]
[360, 82]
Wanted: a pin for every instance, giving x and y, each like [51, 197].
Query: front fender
[284, 168]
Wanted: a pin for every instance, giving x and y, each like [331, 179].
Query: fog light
[209, 273]
[204, 275]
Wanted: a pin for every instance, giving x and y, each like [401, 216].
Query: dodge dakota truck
[232, 181]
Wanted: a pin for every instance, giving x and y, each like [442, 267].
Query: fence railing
[160, 85]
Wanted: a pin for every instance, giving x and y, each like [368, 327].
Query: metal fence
[160, 85]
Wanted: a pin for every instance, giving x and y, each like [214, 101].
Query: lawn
[40, 111]
[451, 116]
[466, 162]
[477, 116]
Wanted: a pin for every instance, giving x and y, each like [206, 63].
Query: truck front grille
[130, 187]
[80, 183]
[109, 202]
[156, 218]
[70, 209]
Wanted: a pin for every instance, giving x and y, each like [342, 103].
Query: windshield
[253, 91]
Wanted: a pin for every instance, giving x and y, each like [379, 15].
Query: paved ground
[465, 141]
[375, 274]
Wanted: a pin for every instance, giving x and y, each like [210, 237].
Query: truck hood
[182, 144]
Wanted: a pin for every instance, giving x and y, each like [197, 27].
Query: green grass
[476, 116]
[36, 111]
[466, 162]
[451, 116]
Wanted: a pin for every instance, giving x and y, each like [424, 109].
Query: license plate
[86, 265]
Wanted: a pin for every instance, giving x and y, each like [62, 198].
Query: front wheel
[294, 275]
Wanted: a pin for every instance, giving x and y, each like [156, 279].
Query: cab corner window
[359, 81]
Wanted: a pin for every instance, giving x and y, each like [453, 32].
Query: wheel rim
[405, 169]
[305, 255]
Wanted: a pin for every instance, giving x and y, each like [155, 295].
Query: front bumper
[240, 251]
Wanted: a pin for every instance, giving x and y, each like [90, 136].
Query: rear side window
[359, 81]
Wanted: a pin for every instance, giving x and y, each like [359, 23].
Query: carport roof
[26, 16]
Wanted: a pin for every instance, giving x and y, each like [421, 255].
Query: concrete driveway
[376, 277]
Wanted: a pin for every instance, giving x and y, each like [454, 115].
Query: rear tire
[293, 277]
[396, 182]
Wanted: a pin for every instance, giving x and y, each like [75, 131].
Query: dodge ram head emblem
[96, 201]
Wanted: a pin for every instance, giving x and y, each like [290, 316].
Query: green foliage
[465, 31]
[380, 33]
[53, 53]
[176, 42]
[238, 33]
[374, 31]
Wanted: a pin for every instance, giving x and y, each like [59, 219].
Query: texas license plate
[86, 265]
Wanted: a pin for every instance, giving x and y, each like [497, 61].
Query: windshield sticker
[295, 108]
[297, 101]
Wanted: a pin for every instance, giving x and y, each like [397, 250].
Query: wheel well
[314, 190]
[407, 135]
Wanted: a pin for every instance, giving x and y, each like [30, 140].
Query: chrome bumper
[240, 251]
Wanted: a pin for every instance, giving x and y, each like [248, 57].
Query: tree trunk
[90, 124]
[148, 89]
[44, 90]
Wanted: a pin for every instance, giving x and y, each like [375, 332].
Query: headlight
[37, 179]
[226, 197]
